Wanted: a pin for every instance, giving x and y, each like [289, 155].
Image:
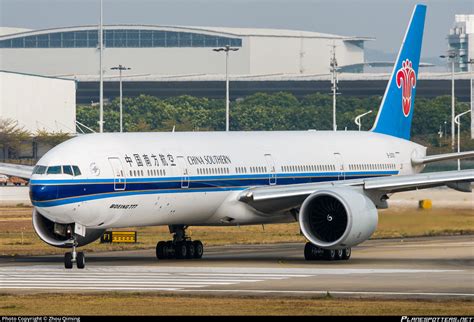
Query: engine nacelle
[59, 235]
[337, 218]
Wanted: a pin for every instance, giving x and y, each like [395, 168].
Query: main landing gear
[181, 247]
[74, 257]
[312, 252]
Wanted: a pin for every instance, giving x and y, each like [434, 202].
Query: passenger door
[183, 168]
[119, 174]
[339, 164]
[271, 169]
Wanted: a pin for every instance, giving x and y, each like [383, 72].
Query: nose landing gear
[74, 257]
[181, 247]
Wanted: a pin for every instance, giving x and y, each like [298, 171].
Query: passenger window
[67, 170]
[54, 170]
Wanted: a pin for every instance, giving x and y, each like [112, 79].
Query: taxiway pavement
[429, 267]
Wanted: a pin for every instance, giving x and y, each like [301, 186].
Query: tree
[51, 138]
[11, 136]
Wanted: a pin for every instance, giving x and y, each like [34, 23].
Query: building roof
[265, 77]
[6, 32]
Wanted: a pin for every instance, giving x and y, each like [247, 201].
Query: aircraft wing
[272, 199]
[442, 157]
[16, 170]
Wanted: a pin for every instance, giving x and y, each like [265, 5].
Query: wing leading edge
[274, 199]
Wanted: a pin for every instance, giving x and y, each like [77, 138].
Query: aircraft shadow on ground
[250, 258]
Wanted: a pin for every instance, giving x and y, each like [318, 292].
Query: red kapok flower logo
[406, 80]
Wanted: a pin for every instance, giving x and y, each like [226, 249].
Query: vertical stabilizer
[396, 110]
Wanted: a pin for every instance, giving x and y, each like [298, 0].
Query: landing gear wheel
[329, 254]
[190, 250]
[308, 252]
[80, 260]
[181, 247]
[340, 254]
[68, 260]
[181, 250]
[169, 250]
[198, 249]
[312, 252]
[160, 250]
[347, 254]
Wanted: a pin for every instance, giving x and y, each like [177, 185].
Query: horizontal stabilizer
[442, 157]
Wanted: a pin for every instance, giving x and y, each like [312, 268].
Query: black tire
[308, 252]
[160, 250]
[189, 250]
[198, 249]
[312, 252]
[347, 254]
[329, 254]
[68, 260]
[169, 250]
[80, 260]
[339, 254]
[181, 250]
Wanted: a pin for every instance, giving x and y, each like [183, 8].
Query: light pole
[358, 117]
[120, 68]
[451, 57]
[471, 62]
[457, 119]
[227, 48]
[101, 72]
[334, 81]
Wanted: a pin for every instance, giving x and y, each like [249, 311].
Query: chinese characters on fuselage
[168, 160]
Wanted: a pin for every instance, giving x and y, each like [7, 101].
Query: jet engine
[337, 218]
[60, 235]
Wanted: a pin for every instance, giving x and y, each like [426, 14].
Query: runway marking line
[337, 292]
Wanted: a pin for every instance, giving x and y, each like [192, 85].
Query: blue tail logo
[396, 110]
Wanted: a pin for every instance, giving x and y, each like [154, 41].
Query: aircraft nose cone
[42, 194]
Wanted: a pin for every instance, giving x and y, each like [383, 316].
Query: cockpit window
[56, 169]
[67, 170]
[39, 169]
[77, 172]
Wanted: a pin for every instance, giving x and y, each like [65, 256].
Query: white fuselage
[193, 178]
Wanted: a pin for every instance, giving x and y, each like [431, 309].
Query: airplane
[330, 182]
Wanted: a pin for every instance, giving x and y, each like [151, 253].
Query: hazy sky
[385, 20]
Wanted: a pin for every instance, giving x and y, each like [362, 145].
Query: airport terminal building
[171, 50]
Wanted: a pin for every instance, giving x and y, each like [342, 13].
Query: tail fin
[396, 110]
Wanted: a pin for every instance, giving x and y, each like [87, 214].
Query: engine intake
[60, 235]
[337, 218]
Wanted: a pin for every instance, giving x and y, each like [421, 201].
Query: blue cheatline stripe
[216, 177]
[48, 193]
[59, 202]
